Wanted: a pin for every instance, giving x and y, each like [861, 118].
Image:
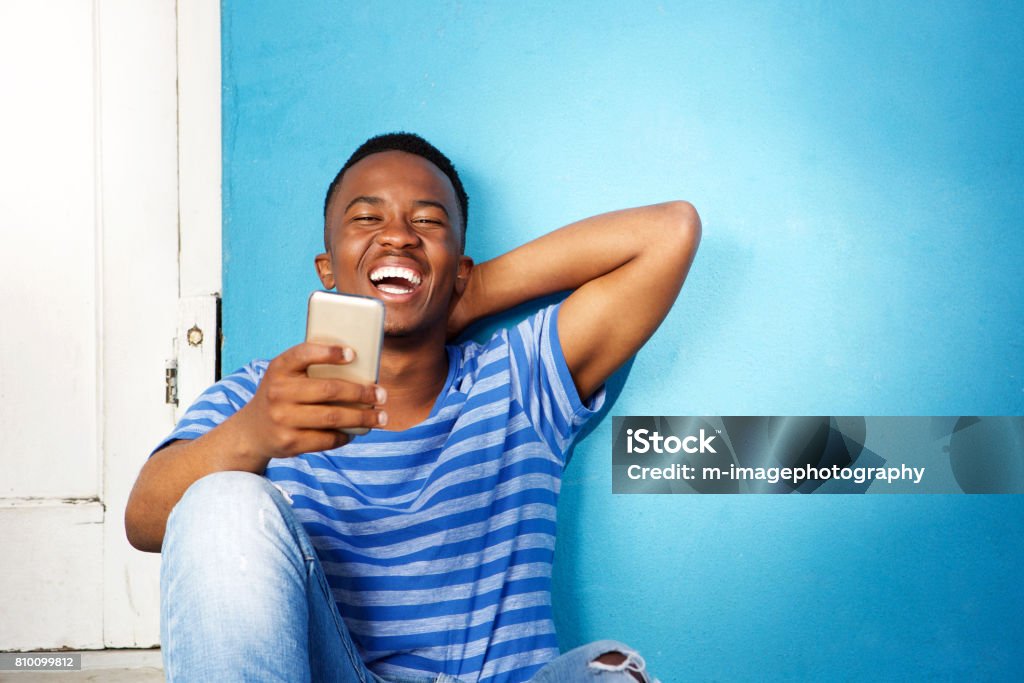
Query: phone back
[347, 320]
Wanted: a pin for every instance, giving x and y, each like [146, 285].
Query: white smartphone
[347, 320]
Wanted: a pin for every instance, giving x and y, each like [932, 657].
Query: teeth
[391, 289]
[395, 271]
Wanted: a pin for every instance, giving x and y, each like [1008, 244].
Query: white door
[107, 109]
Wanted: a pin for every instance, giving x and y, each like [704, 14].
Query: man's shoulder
[514, 345]
[533, 325]
[239, 385]
[252, 371]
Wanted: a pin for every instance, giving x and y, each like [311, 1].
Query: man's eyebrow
[428, 202]
[376, 201]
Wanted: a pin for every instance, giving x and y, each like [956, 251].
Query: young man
[422, 550]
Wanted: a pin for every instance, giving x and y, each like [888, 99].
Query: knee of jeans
[208, 497]
[615, 657]
[231, 486]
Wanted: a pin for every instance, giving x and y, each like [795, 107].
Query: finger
[324, 440]
[323, 390]
[336, 417]
[299, 357]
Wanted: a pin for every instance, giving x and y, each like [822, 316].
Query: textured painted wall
[858, 170]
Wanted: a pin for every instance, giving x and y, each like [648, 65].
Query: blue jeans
[243, 598]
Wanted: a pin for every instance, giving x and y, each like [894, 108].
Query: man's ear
[323, 270]
[462, 276]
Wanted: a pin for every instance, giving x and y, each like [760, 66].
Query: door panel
[91, 130]
[48, 364]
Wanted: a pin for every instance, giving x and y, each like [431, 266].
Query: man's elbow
[681, 229]
[134, 529]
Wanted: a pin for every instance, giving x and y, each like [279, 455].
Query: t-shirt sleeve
[542, 382]
[218, 403]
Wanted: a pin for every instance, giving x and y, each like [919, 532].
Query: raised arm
[625, 269]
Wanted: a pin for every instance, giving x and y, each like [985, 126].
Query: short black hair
[412, 144]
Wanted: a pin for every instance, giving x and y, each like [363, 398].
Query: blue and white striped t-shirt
[438, 541]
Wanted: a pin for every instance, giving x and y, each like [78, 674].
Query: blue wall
[858, 169]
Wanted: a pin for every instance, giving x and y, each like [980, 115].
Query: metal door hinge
[171, 383]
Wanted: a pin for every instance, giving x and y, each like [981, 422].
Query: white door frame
[137, 157]
[131, 578]
[199, 197]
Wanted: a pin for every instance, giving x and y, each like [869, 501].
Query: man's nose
[398, 233]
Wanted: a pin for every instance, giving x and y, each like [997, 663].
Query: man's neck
[413, 370]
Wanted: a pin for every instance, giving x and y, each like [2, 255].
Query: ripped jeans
[281, 624]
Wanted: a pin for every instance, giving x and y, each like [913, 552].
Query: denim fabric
[579, 665]
[243, 598]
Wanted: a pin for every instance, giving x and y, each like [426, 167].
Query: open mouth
[395, 279]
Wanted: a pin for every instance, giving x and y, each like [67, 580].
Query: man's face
[394, 231]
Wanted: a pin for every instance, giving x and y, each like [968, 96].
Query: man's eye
[365, 219]
[429, 221]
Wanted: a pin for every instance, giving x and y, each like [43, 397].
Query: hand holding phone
[355, 322]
